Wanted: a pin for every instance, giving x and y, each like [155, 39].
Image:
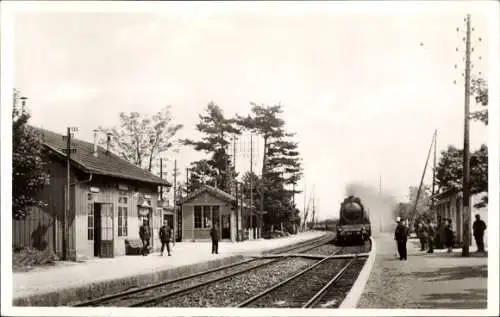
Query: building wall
[43, 227]
[189, 232]
[451, 207]
[110, 193]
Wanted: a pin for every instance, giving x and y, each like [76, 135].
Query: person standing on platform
[165, 236]
[478, 229]
[422, 235]
[401, 236]
[431, 231]
[449, 235]
[214, 234]
[438, 244]
[145, 235]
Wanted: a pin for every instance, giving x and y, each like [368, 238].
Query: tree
[28, 161]
[281, 163]
[141, 139]
[423, 210]
[480, 91]
[216, 130]
[449, 171]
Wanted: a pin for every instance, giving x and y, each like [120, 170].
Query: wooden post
[175, 198]
[466, 157]
[237, 216]
[161, 176]
[251, 184]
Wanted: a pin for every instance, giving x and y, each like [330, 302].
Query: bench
[134, 247]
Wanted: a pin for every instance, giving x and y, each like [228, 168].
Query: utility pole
[466, 158]
[251, 183]
[434, 172]
[177, 214]
[161, 176]
[422, 180]
[237, 213]
[305, 213]
[68, 150]
[187, 180]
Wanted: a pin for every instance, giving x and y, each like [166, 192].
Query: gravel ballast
[234, 290]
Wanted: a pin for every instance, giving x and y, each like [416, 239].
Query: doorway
[226, 227]
[145, 215]
[103, 230]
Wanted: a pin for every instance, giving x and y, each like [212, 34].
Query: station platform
[101, 275]
[440, 280]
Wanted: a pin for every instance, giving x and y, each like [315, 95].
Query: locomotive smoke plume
[380, 206]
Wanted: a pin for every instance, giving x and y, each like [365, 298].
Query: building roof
[107, 164]
[211, 190]
[217, 193]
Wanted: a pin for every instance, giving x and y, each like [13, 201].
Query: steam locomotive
[354, 224]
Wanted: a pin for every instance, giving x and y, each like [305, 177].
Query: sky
[363, 90]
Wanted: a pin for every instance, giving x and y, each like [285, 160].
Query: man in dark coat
[214, 234]
[439, 240]
[422, 235]
[165, 236]
[401, 236]
[145, 235]
[431, 231]
[478, 229]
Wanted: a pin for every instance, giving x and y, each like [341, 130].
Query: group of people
[432, 235]
[165, 234]
[435, 236]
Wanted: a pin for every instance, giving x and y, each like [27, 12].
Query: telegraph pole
[161, 176]
[177, 214]
[466, 158]
[251, 183]
[67, 210]
[434, 171]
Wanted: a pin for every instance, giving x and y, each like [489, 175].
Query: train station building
[207, 206]
[109, 200]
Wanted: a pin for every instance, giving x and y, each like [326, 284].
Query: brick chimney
[95, 143]
[108, 141]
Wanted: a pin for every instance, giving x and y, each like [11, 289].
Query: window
[123, 198]
[90, 221]
[207, 217]
[122, 221]
[123, 214]
[197, 217]
[216, 214]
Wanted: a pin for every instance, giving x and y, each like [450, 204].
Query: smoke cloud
[380, 206]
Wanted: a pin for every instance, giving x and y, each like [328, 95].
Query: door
[226, 227]
[97, 229]
[103, 224]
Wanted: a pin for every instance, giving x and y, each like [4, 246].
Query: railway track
[324, 284]
[157, 292]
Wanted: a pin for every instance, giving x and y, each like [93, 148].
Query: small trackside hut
[109, 200]
[204, 207]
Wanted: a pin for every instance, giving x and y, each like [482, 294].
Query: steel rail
[322, 291]
[201, 284]
[211, 281]
[267, 291]
[95, 302]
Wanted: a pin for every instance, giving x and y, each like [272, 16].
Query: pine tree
[28, 162]
[281, 163]
[217, 131]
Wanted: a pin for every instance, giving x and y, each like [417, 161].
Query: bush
[31, 257]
